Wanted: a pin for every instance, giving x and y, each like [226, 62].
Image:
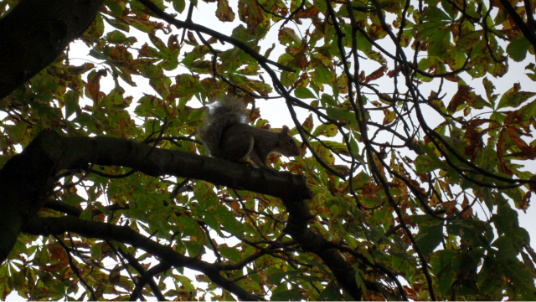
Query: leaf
[71, 102]
[428, 29]
[514, 97]
[434, 13]
[293, 294]
[17, 132]
[338, 114]
[224, 12]
[459, 98]
[517, 49]
[230, 253]
[474, 233]
[119, 38]
[327, 130]
[376, 74]
[304, 93]
[330, 293]
[390, 116]
[442, 263]
[186, 282]
[179, 5]
[93, 85]
[323, 74]
[429, 237]
[308, 123]
[439, 42]
[337, 147]
[157, 42]
[229, 221]
[428, 162]
[288, 36]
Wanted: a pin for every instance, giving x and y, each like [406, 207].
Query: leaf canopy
[415, 120]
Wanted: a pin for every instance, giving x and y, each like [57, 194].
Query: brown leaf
[57, 253]
[300, 60]
[93, 84]
[308, 123]
[526, 150]
[173, 42]
[467, 211]
[500, 152]
[459, 98]
[450, 206]
[307, 13]
[376, 74]
[475, 137]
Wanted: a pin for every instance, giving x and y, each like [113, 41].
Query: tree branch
[146, 277]
[527, 32]
[55, 226]
[78, 152]
[200, 28]
[35, 33]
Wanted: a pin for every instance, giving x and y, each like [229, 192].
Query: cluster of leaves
[414, 154]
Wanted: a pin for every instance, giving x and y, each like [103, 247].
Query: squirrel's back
[222, 114]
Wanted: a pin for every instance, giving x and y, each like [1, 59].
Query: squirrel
[226, 135]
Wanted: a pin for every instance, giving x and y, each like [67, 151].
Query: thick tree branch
[315, 243]
[35, 33]
[78, 152]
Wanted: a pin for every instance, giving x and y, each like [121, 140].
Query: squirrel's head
[288, 145]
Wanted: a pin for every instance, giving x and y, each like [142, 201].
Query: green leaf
[439, 42]
[338, 114]
[228, 221]
[442, 267]
[304, 93]
[288, 36]
[187, 283]
[514, 97]
[230, 253]
[96, 251]
[330, 293]
[323, 75]
[17, 132]
[428, 162]
[506, 219]
[293, 294]
[179, 5]
[429, 237]
[517, 49]
[428, 29]
[327, 130]
[433, 13]
[118, 37]
[71, 102]
[474, 233]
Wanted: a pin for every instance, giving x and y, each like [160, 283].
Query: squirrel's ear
[285, 130]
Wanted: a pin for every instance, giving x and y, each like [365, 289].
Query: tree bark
[35, 33]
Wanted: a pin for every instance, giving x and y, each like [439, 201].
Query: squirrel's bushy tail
[223, 113]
